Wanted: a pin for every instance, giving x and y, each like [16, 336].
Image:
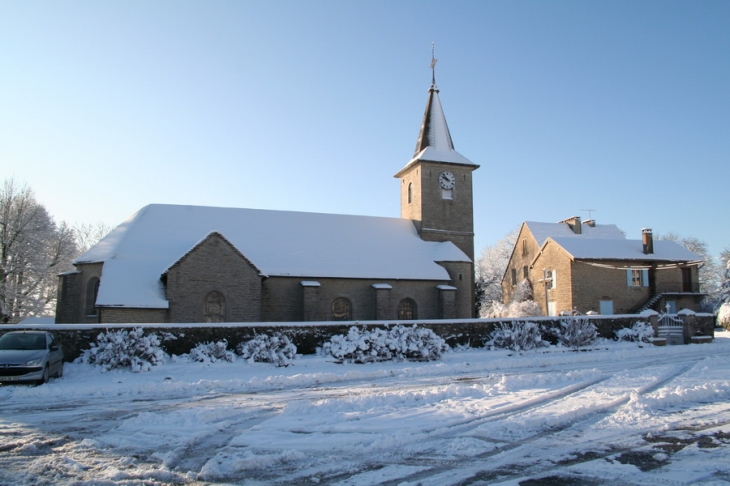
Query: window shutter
[645, 277]
[629, 281]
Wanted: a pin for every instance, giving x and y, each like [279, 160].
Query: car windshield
[23, 341]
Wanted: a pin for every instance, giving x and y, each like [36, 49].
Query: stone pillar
[68, 299]
[447, 301]
[310, 300]
[382, 301]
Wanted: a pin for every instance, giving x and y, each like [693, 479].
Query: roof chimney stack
[590, 222]
[647, 238]
[574, 224]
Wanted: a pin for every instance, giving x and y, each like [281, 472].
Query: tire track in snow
[463, 471]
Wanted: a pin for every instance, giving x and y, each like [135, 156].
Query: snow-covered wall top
[279, 243]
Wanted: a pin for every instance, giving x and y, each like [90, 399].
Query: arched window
[406, 310]
[341, 309]
[215, 307]
[410, 192]
[92, 291]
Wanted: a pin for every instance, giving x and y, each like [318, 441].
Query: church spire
[434, 141]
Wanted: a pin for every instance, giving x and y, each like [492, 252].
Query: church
[185, 264]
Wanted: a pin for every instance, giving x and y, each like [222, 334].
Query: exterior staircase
[641, 307]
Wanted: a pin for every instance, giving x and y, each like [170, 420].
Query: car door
[55, 354]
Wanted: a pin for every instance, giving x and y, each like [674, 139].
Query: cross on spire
[433, 65]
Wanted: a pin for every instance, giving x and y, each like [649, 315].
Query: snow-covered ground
[616, 414]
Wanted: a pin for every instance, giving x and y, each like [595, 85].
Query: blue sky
[618, 106]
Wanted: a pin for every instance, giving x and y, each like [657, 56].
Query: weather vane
[433, 64]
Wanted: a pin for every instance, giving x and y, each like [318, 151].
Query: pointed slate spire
[434, 142]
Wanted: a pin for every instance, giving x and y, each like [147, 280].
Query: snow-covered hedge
[212, 352]
[399, 342]
[277, 349]
[640, 332]
[124, 349]
[575, 333]
[517, 336]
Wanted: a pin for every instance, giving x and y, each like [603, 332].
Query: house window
[524, 246]
[514, 276]
[447, 194]
[410, 192]
[406, 310]
[525, 272]
[551, 279]
[92, 291]
[341, 309]
[637, 277]
[215, 307]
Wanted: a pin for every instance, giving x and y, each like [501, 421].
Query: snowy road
[618, 414]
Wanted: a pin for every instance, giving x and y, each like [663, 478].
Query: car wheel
[59, 370]
[44, 378]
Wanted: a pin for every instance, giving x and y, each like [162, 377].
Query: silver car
[32, 356]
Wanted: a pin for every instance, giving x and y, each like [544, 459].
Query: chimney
[590, 222]
[574, 224]
[647, 240]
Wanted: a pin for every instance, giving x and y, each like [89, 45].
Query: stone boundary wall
[181, 338]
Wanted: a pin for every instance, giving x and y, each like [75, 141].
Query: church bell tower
[436, 184]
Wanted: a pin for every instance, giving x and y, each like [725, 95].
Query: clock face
[447, 180]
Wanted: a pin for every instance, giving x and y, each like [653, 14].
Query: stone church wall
[283, 299]
[214, 266]
[76, 295]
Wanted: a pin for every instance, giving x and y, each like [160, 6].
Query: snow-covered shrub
[399, 342]
[415, 343]
[359, 346]
[576, 332]
[723, 316]
[277, 349]
[640, 332]
[124, 349]
[517, 336]
[212, 352]
[498, 310]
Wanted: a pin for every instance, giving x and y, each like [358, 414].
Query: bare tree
[489, 270]
[710, 273]
[33, 250]
[87, 235]
[725, 286]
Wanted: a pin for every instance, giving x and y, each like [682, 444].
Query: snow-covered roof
[278, 243]
[623, 249]
[543, 231]
[434, 141]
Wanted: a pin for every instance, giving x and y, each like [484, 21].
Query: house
[173, 263]
[584, 266]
